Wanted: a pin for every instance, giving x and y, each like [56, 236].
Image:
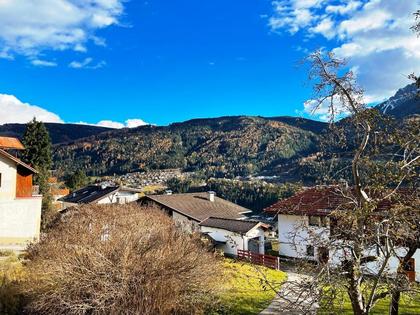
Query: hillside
[284, 147]
[226, 146]
[59, 133]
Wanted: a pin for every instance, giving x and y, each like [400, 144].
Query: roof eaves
[18, 161]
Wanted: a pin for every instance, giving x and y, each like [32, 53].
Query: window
[310, 251]
[324, 221]
[318, 221]
[314, 221]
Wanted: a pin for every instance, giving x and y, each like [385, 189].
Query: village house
[100, 194]
[20, 207]
[189, 209]
[223, 222]
[230, 235]
[305, 217]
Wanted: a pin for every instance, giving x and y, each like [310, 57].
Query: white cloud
[344, 8]
[374, 35]
[30, 26]
[15, 111]
[87, 64]
[129, 123]
[324, 111]
[43, 63]
[132, 123]
[325, 27]
[110, 124]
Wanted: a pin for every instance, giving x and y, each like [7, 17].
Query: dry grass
[11, 275]
[120, 260]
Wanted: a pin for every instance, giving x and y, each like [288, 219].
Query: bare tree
[120, 259]
[365, 231]
[416, 29]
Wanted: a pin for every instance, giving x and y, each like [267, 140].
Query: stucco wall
[119, 197]
[185, 223]
[293, 237]
[8, 179]
[235, 241]
[20, 220]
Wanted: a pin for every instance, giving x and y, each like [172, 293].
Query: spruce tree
[37, 142]
[38, 153]
[77, 180]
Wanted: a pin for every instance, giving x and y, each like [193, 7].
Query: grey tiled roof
[238, 226]
[198, 206]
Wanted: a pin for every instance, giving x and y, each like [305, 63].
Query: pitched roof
[198, 206]
[312, 201]
[89, 194]
[17, 161]
[322, 200]
[11, 143]
[238, 226]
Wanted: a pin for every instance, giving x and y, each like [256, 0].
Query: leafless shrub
[119, 260]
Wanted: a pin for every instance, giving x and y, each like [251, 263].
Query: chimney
[168, 192]
[103, 186]
[212, 194]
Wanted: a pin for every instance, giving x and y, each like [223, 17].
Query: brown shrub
[119, 259]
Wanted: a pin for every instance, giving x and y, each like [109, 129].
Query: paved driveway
[289, 302]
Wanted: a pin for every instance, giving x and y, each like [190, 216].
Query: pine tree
[37, 142]
[77, 180]
[38, 153]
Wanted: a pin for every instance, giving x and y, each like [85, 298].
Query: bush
[11, 276]
[119, 259]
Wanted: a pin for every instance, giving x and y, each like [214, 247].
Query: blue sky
[162, 61]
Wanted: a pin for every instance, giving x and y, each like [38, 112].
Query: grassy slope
[408, 306]
[244, 291]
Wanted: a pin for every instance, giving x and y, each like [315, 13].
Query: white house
[100, 194]
[304, 218]
[231, 235]
[20, 209]
[189, 209]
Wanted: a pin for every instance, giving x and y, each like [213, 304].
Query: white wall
[298, 226]
[20, 220]
[235, 241]
[121, 197]
[295, 235]
[8, 179]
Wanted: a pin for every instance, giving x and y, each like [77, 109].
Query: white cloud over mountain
[14, 110]
[30, 26]
[129, 123]
[374, 35]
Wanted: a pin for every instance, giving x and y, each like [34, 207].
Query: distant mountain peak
[404, 103]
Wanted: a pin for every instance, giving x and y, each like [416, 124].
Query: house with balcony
[20, 207]
[305, 222]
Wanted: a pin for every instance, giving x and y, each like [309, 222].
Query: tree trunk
[395, 303]
[401, 276]
[355, 290]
